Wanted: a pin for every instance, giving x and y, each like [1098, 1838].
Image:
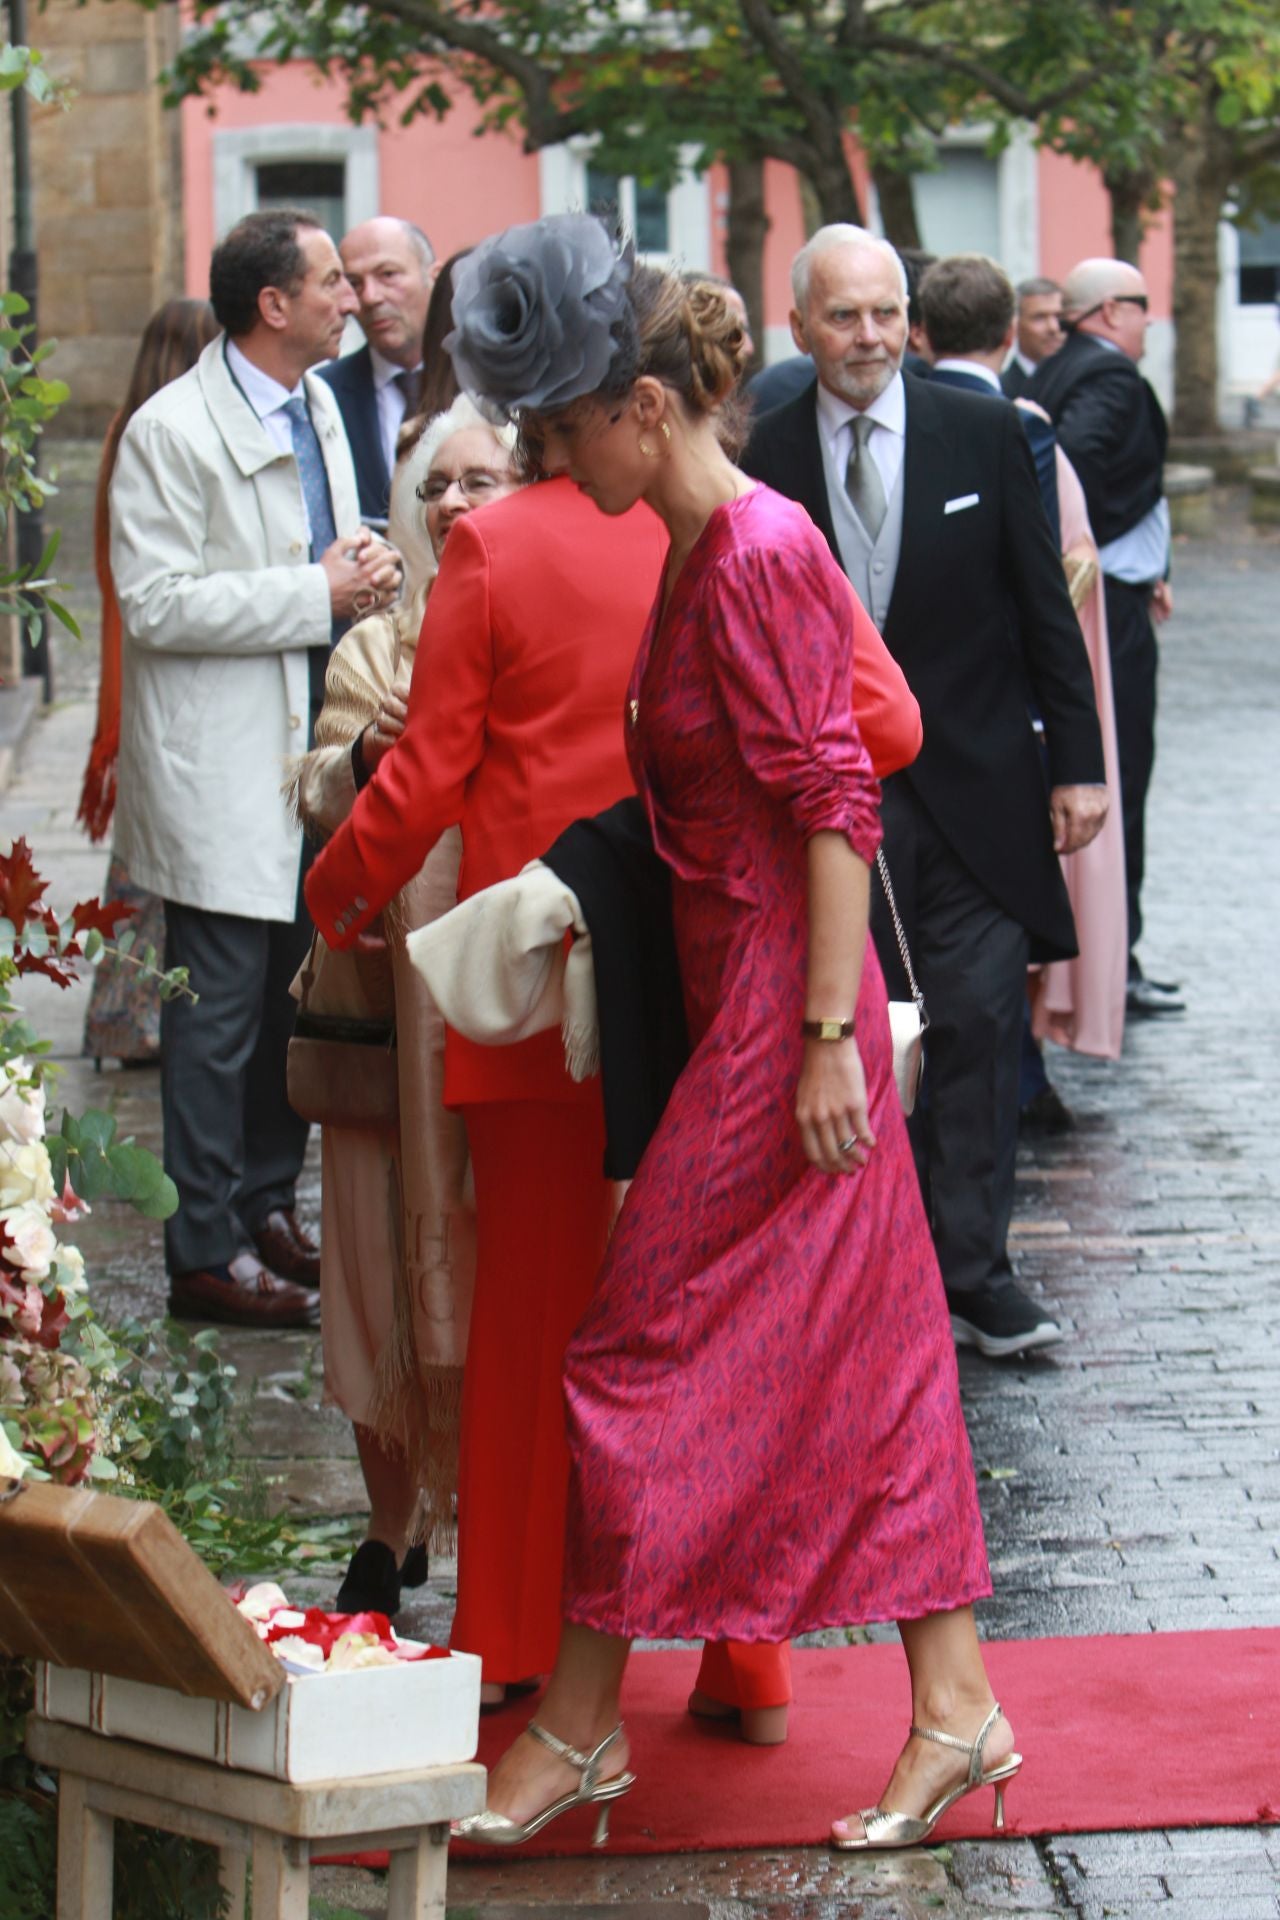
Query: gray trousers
[233, 1145]
[971, 961]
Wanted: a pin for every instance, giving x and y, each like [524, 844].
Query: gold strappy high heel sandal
[490, 1829]
[882, 1829]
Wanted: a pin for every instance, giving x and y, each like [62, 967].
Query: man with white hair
[1113, 431]
[392, 268]
[928, 499]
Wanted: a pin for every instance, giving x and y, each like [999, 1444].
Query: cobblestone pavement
[1131, 1478]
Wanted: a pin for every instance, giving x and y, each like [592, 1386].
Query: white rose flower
[70, 1265]
[34, 1245]
[21, 1108]
[25, 1174]
[12, 1464]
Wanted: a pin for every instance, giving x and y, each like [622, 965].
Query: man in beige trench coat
[238, 558]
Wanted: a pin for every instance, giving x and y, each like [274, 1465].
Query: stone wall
[108, 199]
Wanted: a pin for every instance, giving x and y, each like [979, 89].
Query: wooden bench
[247, 1818]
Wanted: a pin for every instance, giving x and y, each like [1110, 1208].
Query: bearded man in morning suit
[928, 499]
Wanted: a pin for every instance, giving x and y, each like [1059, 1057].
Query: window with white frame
[669, 226]
[331, 171]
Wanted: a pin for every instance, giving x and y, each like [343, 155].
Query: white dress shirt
[1141, 555]
[266, 396]
[268, 400]
[888, 411]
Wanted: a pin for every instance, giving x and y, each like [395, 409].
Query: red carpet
[1123, 1731]
[1148, 1730]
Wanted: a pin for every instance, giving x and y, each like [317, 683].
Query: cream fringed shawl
[417, 1396]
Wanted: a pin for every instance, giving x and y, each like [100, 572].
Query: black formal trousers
[1131, 640]
[971, 961]
[233, 1145]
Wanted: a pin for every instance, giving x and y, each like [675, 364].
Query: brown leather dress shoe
[252, 1296]
[288, 1249]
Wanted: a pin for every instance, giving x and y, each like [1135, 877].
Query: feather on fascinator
[540, 314]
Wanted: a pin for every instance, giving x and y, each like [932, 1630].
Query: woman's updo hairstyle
[683, 332]
[689, 337]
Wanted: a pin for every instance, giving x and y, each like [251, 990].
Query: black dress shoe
[1046, 1112]
[999, 1320]
[372, 1584]
[413, 1568]
[288, 1248]
[244, 1293]
[1147, 999]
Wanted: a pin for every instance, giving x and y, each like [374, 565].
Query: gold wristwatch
[827, 1029]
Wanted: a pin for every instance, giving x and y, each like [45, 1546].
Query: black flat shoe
[413, 1568]
[1046, 1112]
[372, 1584]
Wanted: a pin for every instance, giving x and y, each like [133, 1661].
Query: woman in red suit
[514, 730]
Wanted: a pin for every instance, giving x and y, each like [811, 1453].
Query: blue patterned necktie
[311, 471]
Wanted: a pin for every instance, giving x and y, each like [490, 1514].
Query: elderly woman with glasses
[397, 1264]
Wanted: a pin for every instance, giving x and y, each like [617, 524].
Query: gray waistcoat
[872, 569]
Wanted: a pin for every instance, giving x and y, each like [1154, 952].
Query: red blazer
[515, 727]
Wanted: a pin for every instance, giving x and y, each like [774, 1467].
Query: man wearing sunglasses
[1111, 427]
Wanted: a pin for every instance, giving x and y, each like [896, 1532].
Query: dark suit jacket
[1014, 383]
[351, 378]
[982, 625]
[1041, 439]
[1111, 428]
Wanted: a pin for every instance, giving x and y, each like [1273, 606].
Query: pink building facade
[1035, 212]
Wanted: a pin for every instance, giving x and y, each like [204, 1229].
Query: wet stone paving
[1130, 1477]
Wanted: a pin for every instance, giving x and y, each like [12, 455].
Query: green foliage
[27, 403]
[87, 1153]
[25, 67]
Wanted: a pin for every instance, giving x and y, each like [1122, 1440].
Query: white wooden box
[321, 1726]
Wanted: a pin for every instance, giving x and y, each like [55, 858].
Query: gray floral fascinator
[536, 312]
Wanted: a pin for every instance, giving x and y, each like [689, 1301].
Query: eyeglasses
[475, 485]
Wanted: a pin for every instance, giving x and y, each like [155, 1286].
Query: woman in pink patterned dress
[763, 1405]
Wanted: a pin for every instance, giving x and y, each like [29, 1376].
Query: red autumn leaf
[46, 963]
[53, 1319]
[20, 884]
[104, 915]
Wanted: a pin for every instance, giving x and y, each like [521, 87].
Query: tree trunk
[837, 195]
[1202, 175]
[897, 198]
[1130, 194]
[748, 225]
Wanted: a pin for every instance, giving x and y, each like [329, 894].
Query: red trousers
[542, 1220]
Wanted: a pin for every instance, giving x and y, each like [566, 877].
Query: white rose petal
[34, 1247]
[21, 1108]
[12, 1464]
[25, 1173]
[70, 1265]
[299, 1653]
[263, 1600]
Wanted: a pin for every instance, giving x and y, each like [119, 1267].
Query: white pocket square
[960, 502]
